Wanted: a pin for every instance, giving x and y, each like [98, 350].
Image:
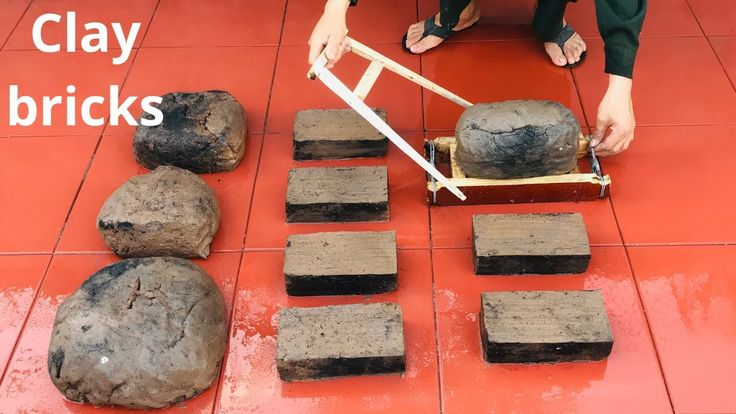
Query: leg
[454, 14]
[549, 19]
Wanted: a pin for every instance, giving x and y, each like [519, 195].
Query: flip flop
[563, 36]
[430, 29]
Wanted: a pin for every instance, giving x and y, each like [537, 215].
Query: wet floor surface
[663, 244]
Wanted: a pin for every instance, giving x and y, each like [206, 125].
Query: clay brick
[334, 341]
[541, 326]
[337, 194]
[515, 244]
[341, 263]
[336, 134]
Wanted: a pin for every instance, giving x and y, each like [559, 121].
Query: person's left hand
[615, 123]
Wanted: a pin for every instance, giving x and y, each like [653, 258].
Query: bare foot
[574, 47]
[417, 45]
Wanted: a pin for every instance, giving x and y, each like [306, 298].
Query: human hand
[615, 123]
[330, 33]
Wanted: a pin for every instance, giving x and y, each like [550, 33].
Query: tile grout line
[66, 218]
[221, 375]
[435, 316]
[642, 307]
[15, 27]
[710, 44]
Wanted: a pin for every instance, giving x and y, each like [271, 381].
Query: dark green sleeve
[619, 22]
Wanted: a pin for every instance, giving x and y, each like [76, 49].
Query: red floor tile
[27, 387]
[40, 177]
[267, 227]
[469, 384]
[160, 71]
[114, 164]
[452, 226]
[292, 90]
[715, 16]
[11, 12]
[665, 18]
[688, 293]
[19, 279]
[125, 12]
[40, 74]
[250, 381]
[725, 48]
[681, 72]
[376, 21]
[493, 71]
[674, 186]
[196, 23]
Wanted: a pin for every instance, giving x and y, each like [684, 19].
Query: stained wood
[337, 194]
[341, 263]
[333, 341]
[544, 326]
[507, 244]
[336, 134]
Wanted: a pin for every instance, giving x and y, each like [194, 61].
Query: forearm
[620, 23]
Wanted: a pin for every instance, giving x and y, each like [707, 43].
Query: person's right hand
[330, 33]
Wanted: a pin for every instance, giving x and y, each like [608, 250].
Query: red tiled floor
[40, 74]
[493, 71]
[125, 12]
[26, 386]
[19, 279]
[292, 90]
[688, 293]
[114, 164]
[469, 384]
[716, 16]
[11, 12]
[500, 20]
[40, 177]
[452, 226]
[725, 48]
[251, 384]
[407, 202]
[245, 72]
[681, 72]
[665, 18]
[674, 185]
[375, 21]
[195, 23]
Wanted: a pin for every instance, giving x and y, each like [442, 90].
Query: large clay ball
[517, 139]
[203, 132]
[141, 333]
[169, 212]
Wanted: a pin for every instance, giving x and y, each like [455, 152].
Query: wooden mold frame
[574, 186]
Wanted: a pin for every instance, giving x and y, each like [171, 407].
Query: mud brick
[515, 244]
[336, 134]
[541, 326]
[337, 194]
[335, 341]
[341, 263]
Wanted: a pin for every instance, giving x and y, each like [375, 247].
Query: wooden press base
[574, 186]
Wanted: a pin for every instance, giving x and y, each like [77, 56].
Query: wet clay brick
[541, 326]
[337, 194]
[341, 263]
[336, 134]
[334, 341]
[516, 244]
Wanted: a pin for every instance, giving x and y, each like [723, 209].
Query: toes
[425, 44]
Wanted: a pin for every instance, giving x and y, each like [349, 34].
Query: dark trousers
[547, 21]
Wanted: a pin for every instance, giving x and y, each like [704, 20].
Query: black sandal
[430, 29]
[563, 36]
